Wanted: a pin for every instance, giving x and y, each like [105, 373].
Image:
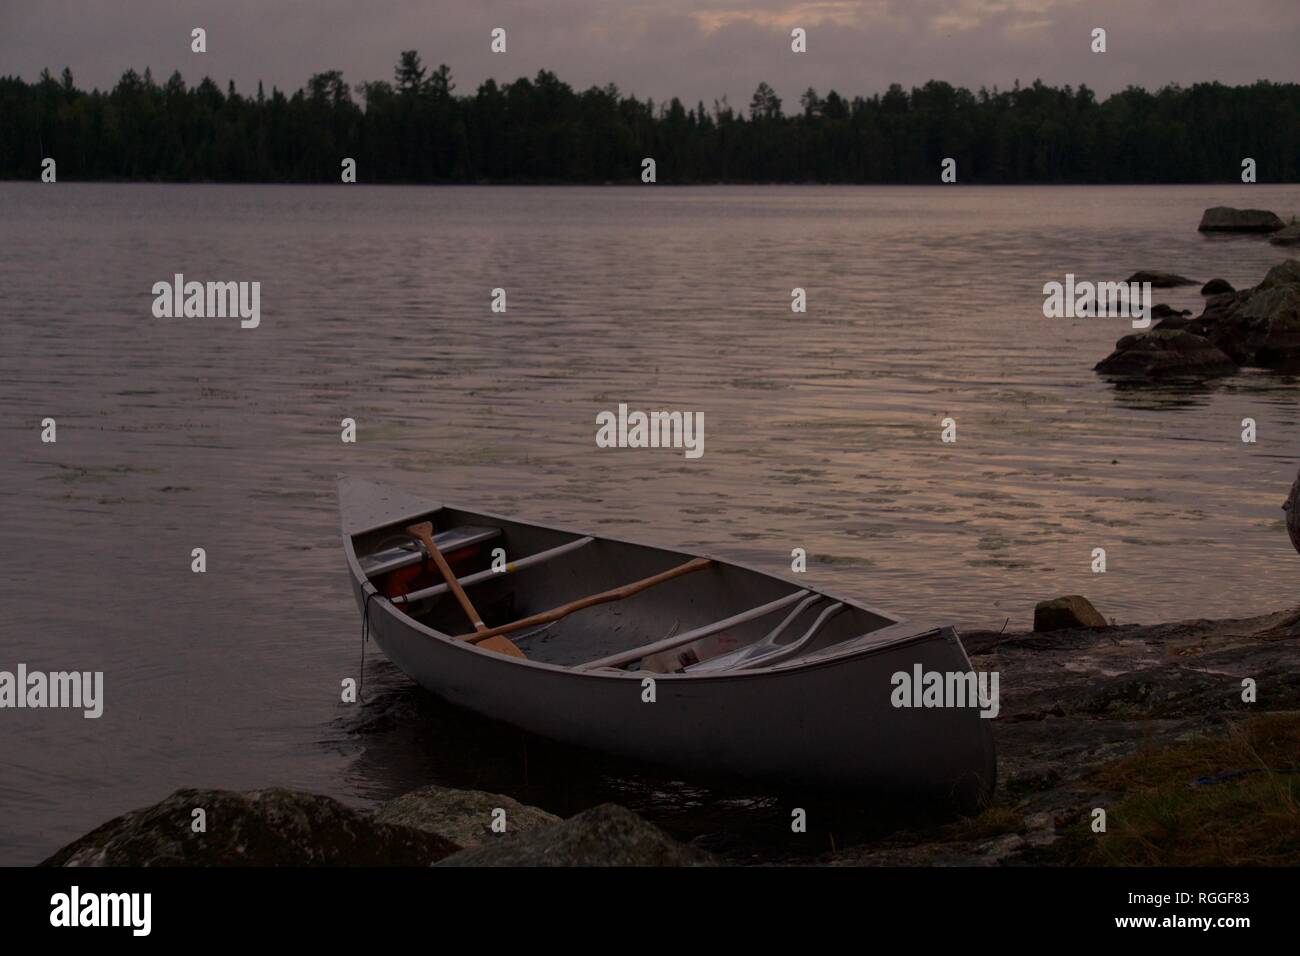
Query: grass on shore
[994, 821]
[1249, 816]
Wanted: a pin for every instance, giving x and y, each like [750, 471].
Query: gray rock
[1170, 318]
[1217, 287]
[1173, 322]
[272, 827]
[1227, 219]
[1062, 613]
[1289, 236]
[1223, 302]
[1160, 280]
[1208, 324]
[1292, 508]
[462, 816]
[607, 835]
[1284, 273]
[1258, 327]
[1166, 353]
[1267, 328]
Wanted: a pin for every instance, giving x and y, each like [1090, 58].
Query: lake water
[822, 432]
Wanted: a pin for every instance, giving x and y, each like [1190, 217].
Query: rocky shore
[432, 826]
[1147, 722]
[1257, 327]
[1187, 735]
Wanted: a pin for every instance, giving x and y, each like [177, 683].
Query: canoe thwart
[645, 650]
[479, 576]
[407, 553]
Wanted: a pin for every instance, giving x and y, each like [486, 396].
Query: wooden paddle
[483, 637]
[424, 532]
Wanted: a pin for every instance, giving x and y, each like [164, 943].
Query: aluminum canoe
[814, 707]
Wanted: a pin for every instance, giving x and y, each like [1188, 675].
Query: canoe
[712, 667]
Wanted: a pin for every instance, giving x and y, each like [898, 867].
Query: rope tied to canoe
[365, 636]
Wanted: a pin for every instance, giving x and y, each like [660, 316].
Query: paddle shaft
[616, 594]
[424, 531]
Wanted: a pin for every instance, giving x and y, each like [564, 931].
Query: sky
[698, 50]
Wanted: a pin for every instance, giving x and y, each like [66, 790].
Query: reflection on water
[823, 433]
[1147, 396]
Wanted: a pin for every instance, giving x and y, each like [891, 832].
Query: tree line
[418, 129]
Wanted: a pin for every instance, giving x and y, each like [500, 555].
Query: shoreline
[1136, 719]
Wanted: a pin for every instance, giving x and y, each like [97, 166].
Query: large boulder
[257, 828]
[1218, 308]
[1223, 302]
[1265, 329]
[1290, 236]
[1259, 326]
[1284, 273]
[1062, 613]
[1170, 318]
[1292, 508]
[464, 817]
[1166, 353]
[1160, 280]
[607, 835]
[1217, 287]
[1227, 219]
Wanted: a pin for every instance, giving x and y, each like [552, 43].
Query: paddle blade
[502, 645]
[421, 531]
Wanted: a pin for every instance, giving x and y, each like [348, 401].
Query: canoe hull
[827, 724]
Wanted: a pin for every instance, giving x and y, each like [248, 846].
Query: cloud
[697, 50]
[785, 18]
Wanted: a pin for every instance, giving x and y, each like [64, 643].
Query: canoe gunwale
[825, 657]
[822, 659]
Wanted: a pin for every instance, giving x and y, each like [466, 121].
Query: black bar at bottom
[494, 905]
